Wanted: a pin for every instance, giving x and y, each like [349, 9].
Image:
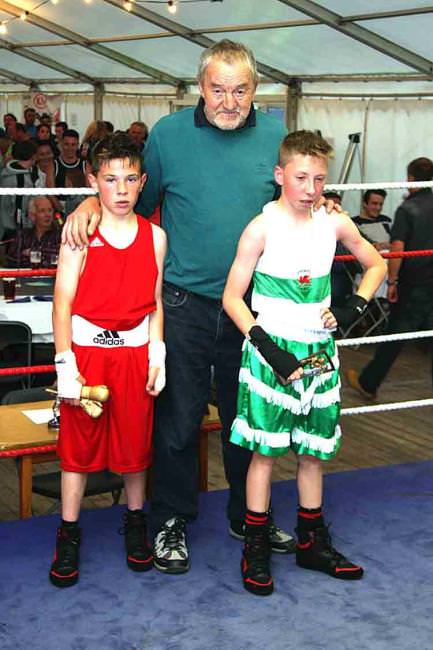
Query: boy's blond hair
[306, 143]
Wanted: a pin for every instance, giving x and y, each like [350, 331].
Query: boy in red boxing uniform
[108, 329]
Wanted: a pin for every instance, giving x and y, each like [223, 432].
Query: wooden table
[17, 431]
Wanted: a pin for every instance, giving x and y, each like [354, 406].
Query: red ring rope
[11, 453]
[26, 370]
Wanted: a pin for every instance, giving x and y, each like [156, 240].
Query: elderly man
[139, 132]
[212, 167]
[44, 237]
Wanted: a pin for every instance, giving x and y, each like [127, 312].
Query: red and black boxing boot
[64, 571]
[139, 555]
[315, 550]
[255, 563]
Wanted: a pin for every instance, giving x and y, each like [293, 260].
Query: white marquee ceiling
[100, 41]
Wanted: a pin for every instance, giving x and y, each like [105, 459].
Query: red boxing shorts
[121, 438]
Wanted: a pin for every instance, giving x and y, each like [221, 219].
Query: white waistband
[90, 335]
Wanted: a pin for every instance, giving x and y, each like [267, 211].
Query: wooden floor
[368, 441]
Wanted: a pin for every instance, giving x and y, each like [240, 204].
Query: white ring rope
[402, 336]
[69, 191]
[383, 185]
[45, 191]
[392, 406]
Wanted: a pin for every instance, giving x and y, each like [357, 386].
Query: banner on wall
[43, 103]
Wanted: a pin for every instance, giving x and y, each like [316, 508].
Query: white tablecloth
[36, 314]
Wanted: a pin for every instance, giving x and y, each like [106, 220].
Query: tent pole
[98, 100]
[293, 93]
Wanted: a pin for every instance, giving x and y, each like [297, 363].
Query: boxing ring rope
[340, 343]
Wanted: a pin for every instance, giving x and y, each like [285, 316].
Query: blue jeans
[199, 335]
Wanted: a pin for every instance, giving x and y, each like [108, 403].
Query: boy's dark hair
[10, 115]
[331, 195]
[23, 150]
[421, 169]
[109, 126]
[62, 125]
[71, 133]
[42, 126]
[45, 143]
[115, 147]
[368, 193]
[306, 143]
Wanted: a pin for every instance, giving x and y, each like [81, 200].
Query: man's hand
[82, 223]
[328, 319]
[330, 205]
[392, 293]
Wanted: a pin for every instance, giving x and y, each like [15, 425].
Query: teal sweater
[212, 183]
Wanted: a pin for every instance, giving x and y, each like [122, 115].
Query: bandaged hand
[68, 384]
[284, 364]
[157, 354]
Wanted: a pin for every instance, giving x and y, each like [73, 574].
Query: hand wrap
[353, 309]
[157, 355]
[68, 385]
[282, 363]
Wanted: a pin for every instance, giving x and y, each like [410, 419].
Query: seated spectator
[373, 225]
[15, 174]
[46, 119]
[44, 236]
[138, 131]
[74, 178]
[29, 121]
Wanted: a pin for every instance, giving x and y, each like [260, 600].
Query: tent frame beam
[361, 34]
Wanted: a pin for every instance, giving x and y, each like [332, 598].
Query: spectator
[59, 130]
[410, 282]
[29, 121]
[139, 133]
[341, 272]
[109, 126]
[69, 159]
[16, 174]
[8, 119]
[373, 225]
[97, 130]
[44, 236]
[21, 133]
[46, 119]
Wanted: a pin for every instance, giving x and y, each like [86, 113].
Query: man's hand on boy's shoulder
[330, 205]
[82, 223]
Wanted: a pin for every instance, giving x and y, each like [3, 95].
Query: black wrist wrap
[283, 363]
[353, 309]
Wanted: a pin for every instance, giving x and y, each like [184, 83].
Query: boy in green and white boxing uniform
[288, 251]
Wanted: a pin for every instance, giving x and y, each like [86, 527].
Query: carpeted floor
[382, 518]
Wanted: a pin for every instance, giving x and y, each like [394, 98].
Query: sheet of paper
[39, 416]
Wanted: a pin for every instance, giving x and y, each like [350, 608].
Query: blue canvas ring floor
[381, 518]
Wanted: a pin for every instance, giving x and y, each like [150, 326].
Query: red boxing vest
[117, 287]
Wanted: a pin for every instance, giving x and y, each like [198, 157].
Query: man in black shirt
[410, 281]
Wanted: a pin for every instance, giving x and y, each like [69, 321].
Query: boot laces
[174, 535]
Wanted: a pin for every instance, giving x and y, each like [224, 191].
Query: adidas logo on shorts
[108, 338]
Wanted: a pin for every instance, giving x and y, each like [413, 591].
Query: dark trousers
[412, 312]
[198, 335]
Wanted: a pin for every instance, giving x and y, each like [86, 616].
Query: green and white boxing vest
[291, 284]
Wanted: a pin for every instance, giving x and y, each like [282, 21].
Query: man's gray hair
[229, 52]
[31, 205]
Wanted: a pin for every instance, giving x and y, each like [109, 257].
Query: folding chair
[15, 350]
[48, 485]
[373, 319]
